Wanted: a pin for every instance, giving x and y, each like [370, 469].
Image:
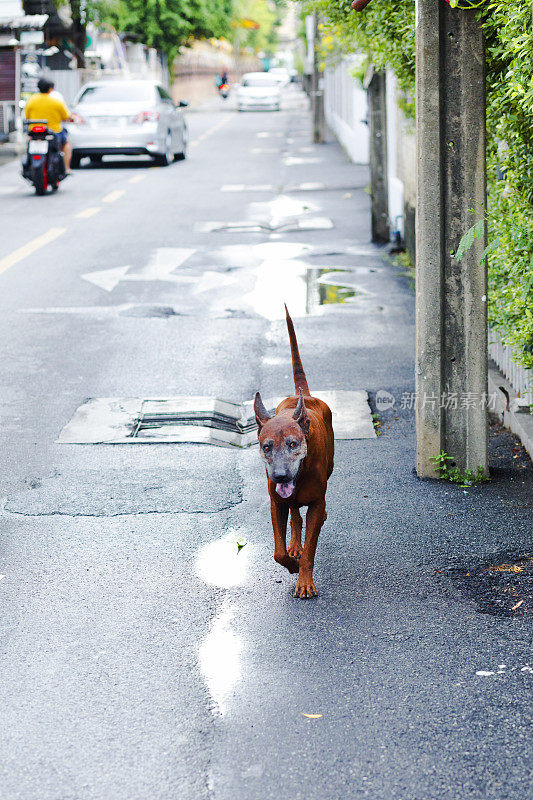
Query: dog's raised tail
[300, 380]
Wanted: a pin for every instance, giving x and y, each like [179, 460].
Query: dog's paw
[288, 562]
[295, 550]
[305, 587]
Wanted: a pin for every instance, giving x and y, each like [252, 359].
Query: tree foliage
[266, 14]
[169, 24]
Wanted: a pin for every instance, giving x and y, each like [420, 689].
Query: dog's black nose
[280, 478]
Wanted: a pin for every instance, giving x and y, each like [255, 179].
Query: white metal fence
[520, 378]
[66, 81]
[345, 107]
[7, 117]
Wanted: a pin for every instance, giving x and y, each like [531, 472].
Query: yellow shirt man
[42, 106]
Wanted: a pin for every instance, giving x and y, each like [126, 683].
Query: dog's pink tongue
[285, 489]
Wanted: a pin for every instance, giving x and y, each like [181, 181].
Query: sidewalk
[9, 151]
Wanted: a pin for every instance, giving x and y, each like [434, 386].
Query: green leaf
[488, 249]
[467, 240]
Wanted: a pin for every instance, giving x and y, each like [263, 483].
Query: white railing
[520, 378]
[7, 117]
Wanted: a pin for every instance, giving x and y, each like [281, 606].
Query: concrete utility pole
[377, 112]
[317, 90]
[451, 296]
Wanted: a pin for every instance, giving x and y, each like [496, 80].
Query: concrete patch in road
[124, 310]
[296, 161]
[249, 226]
[242, 187]
[269, 187]
[305, 187]
[186, 489]
[202, 420]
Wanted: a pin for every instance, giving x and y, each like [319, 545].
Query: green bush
[385, 32]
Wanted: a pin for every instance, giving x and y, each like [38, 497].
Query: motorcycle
[223, 90]
[42, 164]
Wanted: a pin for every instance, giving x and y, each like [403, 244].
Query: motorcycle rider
[221, 79]
[44, 106]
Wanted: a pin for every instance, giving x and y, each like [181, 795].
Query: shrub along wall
[385, 32]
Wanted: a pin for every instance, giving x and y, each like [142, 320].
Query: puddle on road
[220, 659]
[305, 288]
[281, 208]
[223, 564]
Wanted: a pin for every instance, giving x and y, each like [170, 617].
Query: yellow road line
[88, 212]
[27, 249]
[218, 125]
[211, 130]
[112, 196]
[137, 178]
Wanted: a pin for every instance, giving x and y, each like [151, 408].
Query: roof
[24, 22]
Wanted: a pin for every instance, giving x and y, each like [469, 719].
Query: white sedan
[127, 117]
[281, 75]
[258, 91]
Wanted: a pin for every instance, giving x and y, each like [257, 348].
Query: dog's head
[282, 443]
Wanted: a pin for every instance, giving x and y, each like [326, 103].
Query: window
[163, 94]
[126, 91]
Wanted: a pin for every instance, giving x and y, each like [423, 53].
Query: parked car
[258, 91]
[281, 74]
[127, 117]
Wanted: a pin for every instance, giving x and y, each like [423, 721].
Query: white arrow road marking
[108, 278]
[213, 280]
[159, 268]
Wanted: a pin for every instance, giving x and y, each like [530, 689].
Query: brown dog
[296, 445]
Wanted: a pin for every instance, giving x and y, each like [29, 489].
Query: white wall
[345, 106]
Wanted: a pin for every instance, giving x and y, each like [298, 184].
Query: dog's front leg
[295, 545]
[314, 520]
[280, 514]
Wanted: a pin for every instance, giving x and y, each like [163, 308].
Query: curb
[519, 422]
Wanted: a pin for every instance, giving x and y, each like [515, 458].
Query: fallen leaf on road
[240, 542]
[520, 602]
[508, 568]
[311, 716]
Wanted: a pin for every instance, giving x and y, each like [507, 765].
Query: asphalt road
[141, 657]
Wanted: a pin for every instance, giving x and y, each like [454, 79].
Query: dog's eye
[267, 448]
[292, 445]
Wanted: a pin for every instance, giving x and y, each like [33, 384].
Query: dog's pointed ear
[300, 414]
[261, 414]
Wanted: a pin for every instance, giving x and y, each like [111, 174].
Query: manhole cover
[208, 420]
[164, 418]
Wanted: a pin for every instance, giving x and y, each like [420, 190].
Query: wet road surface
[150, 646]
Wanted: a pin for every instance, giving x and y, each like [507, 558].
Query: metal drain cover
[207, 420]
